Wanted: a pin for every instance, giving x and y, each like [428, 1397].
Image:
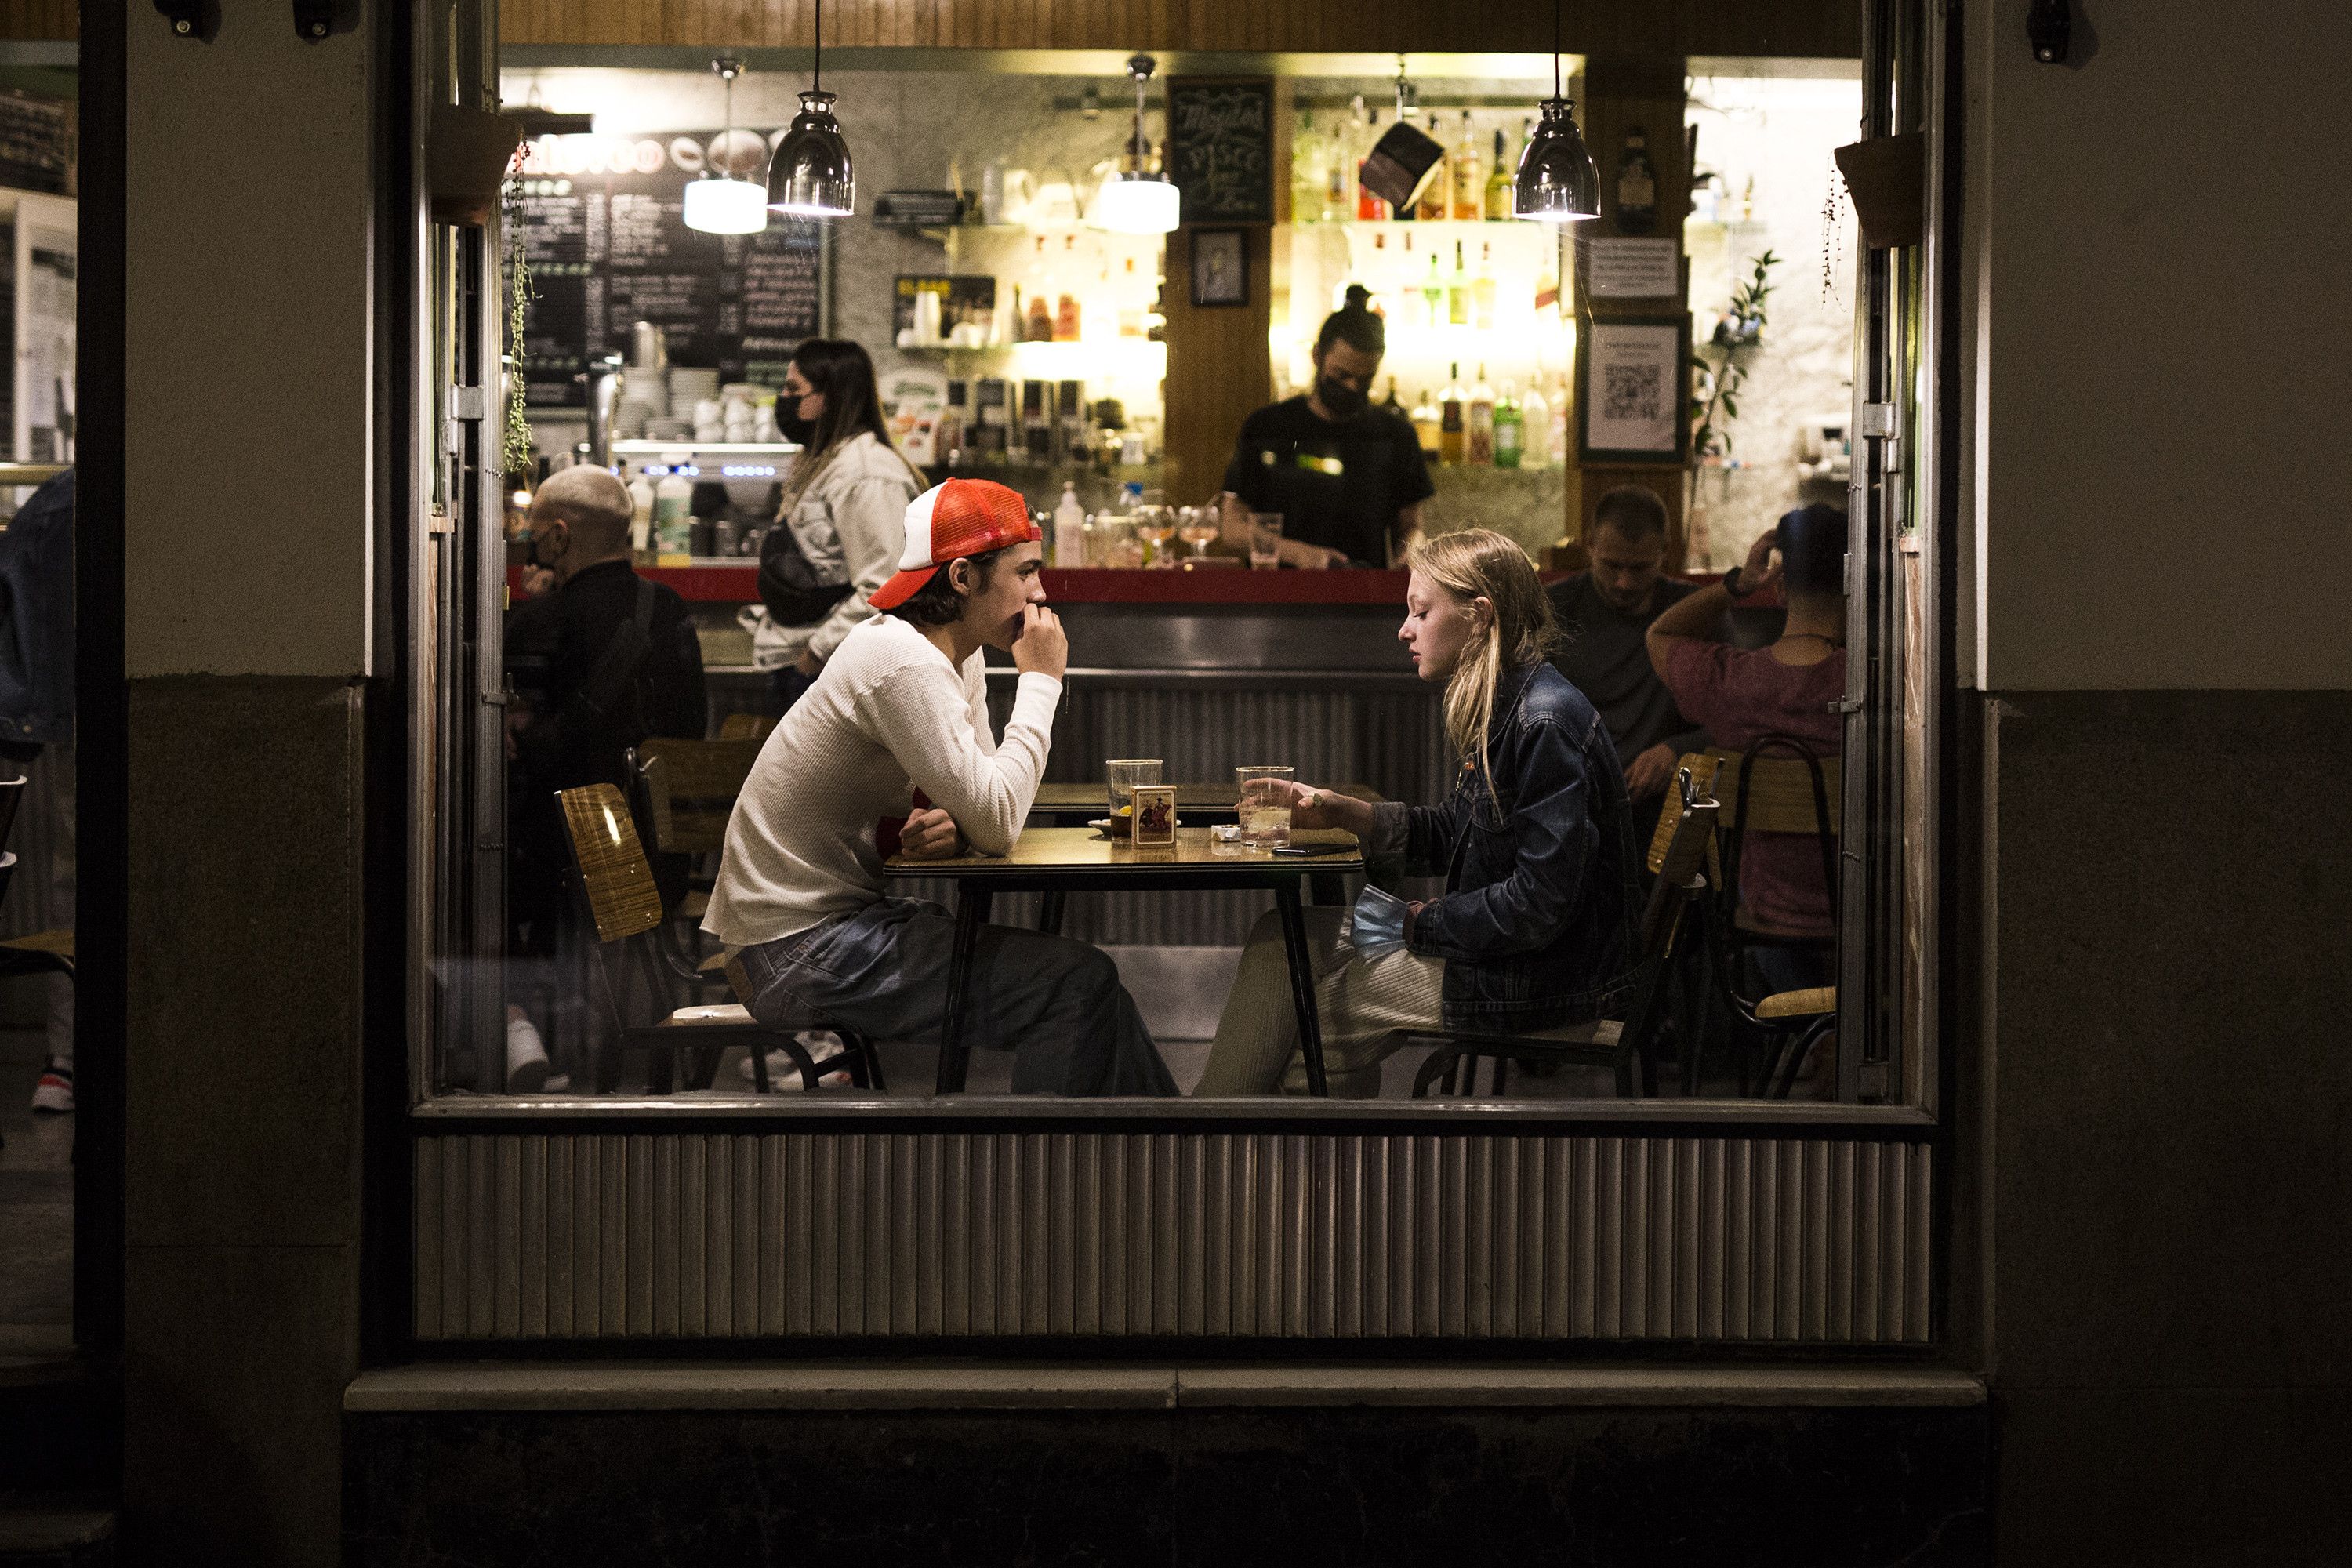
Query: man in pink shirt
[1790, 687]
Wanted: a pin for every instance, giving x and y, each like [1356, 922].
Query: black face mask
[800, 432]
[1340, 397]
[532, 553]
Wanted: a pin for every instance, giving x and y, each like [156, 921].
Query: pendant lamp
[1557, 181]
[718, 203]
[810, 174]
[1134, 200]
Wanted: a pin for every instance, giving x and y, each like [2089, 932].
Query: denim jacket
[1536, 922]
[36, 618]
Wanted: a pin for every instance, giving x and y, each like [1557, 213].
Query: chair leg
[760, 1084]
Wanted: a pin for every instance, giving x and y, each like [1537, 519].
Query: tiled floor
[36, 1200]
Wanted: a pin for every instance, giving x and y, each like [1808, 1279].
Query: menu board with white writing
[604, 227]
[1221, 150]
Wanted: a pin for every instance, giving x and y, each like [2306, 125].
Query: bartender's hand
[1043, 647]
[1647, 774]
[930, 834]
[1311, 557]
[808, 663]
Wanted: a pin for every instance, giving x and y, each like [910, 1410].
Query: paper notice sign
[1631, 269]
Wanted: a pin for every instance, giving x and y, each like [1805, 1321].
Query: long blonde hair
[1479, 563]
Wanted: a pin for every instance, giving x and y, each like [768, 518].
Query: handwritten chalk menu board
[36, 149]
[1221, 150]
[603, 226]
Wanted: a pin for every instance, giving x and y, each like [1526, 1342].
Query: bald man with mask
[600, 660]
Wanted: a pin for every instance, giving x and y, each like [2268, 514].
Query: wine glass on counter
[1265, 540]
[1155, 522]
[1198, 527]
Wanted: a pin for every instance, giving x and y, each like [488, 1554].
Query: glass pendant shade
[1135, 203]
[1557, 182]
[810, 174]
[726, 206]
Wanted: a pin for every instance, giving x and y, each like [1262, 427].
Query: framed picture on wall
[1220, 268]
[1630, 389]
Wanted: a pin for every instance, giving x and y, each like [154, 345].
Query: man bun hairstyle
[1813, 549]
[1355, 324]
[1634, 511]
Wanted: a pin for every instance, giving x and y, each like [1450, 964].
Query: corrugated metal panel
[735, 1236]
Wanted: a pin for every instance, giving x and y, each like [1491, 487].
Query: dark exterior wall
[2166, 1084]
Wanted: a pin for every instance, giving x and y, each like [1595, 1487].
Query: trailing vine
[515, 455]
[1716, 383]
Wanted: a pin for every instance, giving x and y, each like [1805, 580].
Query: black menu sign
[603, 226]
[1221, 149]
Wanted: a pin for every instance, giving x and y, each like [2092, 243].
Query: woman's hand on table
[930, 834]
[1313, 806]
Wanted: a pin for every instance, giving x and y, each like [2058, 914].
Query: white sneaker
[785, 1073]
[526, 1057]
[54, 1091]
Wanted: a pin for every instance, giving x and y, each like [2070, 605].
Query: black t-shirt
[1337, 485]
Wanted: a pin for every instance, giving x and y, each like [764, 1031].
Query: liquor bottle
[1498, 185]
[1433, 294]
[1390, 402]
[1436, 198]
[1370, 208]
[1510, 430]
[1482, 289]
[1037, 325]
[1637, 185]
[1535, 427]
[1481, 421]
[1457, 302]
[1065, 311]
[1426, 422]
[1469, 174]
[1307, 172]
[1453, 421]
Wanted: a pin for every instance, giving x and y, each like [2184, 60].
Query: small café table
[1078, 805]
[1053, 860]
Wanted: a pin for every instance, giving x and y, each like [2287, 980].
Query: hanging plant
[515, 269]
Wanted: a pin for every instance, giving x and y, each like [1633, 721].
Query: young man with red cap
[891, 752]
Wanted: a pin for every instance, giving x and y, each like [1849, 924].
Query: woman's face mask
[798, 408]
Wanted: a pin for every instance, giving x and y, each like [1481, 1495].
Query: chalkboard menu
[603, 226]
[1221, 150]
[37, 148]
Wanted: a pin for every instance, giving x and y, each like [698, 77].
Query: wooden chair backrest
[1779, 791]
[690, 789]
[1701, 765]
[11, 796]
[614, 870]
[745, 726]
[1686, 850]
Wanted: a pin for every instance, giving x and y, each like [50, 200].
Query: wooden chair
[686, 794]
[1667, 922]
[1797, 1019]
[615, 884]
[746, 727]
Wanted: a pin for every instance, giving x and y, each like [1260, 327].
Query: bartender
[1347, 477]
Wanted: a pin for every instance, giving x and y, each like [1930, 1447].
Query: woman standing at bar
[842, 524]
[1535, 929]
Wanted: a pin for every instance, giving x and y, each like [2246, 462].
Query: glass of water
[1125, 774]
[1265, 808]
[1265, 540]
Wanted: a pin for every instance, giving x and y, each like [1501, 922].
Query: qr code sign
[1632, 392]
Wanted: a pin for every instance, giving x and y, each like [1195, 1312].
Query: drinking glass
[1264, 807]
[1125, 774]
[1156, 521]
[1265, 540]
[1197, 526]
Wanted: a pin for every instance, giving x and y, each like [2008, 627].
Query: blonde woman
[1535, 929]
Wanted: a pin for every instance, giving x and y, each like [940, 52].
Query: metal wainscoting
[732, 1235]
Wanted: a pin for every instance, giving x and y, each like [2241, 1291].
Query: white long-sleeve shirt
[889, 715]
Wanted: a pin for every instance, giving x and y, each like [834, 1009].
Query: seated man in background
[602, 661]
[890, 752]
[1604, 616]
[1789, 688]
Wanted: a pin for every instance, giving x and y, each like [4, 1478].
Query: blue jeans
[1055, 1003]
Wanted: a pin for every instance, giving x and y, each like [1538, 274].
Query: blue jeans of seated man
[1056, 1003]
